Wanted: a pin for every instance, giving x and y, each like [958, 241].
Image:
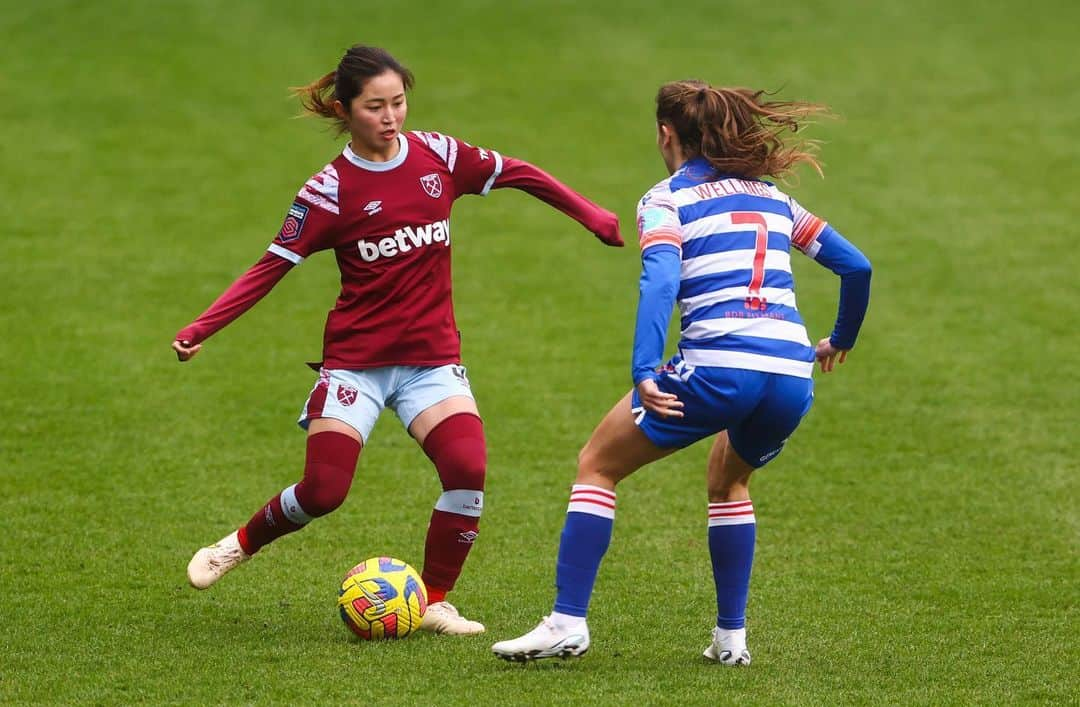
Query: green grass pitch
[918, 540]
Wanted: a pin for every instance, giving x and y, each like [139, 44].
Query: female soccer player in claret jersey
[383, 206]
[715, 239]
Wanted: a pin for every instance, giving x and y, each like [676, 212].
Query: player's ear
[339, 109]
[663, 135]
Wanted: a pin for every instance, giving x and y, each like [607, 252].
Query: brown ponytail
[317, 98]
[738, 130]
[345, 83]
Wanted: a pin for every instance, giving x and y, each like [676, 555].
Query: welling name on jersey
[404, 240]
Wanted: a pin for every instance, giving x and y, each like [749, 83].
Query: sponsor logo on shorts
[770, 455]
[459, 373]
[346, 395]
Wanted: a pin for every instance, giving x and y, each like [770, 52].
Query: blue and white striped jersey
[736, 294]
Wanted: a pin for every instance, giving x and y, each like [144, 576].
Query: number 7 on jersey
[754, 300]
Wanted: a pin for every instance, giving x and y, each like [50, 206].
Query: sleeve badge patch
[294, 224]
[652, 217]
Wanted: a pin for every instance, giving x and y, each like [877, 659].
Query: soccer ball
[382, 598]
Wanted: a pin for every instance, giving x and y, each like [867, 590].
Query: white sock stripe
[736, 520]
[589, 495]
[586, 498]
[587, 488]
[291, 507]
[464, 502]
[730, 504]
[593, 508]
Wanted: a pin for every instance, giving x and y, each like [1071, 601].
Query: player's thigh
[327, 424]
[345, 401]
[428, 395]
[617, 448]
[429, 419]
[761, 436]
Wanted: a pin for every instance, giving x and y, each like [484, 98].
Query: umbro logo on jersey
[404, 240]
[373, 207]
[432, 185]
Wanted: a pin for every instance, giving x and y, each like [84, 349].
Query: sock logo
[469, 536]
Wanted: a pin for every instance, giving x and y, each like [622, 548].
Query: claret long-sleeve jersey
[388, 224]
[719, 247]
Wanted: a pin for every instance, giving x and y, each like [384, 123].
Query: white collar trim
[403, 152]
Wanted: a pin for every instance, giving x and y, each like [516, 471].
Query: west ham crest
[432, 185]
[346, 395]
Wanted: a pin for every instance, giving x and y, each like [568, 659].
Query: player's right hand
[184, 350]
[608, 229]
[657, 401]
[828, 355]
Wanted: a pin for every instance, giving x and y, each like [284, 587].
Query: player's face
[377, 114]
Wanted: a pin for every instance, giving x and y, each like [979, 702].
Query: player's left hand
[185, 351]
[608, 229]
[657, 401]
[828, 355]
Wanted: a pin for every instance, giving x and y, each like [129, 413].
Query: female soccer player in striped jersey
[715, 239]
[383, 206]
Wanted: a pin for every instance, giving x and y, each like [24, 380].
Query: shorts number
[754, 300]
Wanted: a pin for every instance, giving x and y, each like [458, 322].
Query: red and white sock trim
[731, 513]
[592, 500]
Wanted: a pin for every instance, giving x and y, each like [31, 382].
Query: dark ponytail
[359, 64]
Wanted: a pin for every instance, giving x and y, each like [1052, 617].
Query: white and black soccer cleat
[728, 647]
[545, 641]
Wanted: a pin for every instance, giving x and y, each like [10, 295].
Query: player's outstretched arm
[839, 255]
[532, 180]
[241, 296]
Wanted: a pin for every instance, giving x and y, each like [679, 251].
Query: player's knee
[594, 465]
[324, 489]
[459, 452]
[463, 466]
[729, 477]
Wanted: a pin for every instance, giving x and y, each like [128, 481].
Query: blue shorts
[759, 410]
[357, 397]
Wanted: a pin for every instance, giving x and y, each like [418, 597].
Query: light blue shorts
[357, 397]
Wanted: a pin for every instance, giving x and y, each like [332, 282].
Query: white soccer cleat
[728, 647]
[442, 617]
[211, 563]
[545, 641]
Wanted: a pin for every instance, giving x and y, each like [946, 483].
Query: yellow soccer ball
[382, 598]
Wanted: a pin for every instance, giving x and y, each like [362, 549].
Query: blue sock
[585, 538]
[731, 546]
